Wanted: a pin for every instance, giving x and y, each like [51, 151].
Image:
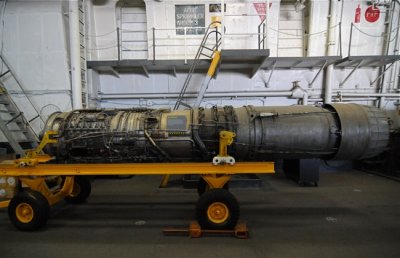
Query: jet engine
[333, 131]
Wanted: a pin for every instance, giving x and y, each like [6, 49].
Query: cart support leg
[39, 184]
[216, 182]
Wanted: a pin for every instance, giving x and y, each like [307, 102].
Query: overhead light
[299, 5]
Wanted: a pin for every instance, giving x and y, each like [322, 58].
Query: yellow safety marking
[214, 63]
[198, 168]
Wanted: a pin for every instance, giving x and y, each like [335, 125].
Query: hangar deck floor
[350, 214]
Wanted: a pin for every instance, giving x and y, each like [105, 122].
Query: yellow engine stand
[225, 139]
[33, 157]
[34, 171]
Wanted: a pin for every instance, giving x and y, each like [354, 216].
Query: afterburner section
[364, 131]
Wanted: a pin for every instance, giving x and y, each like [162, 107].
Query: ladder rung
[4, 102]
[6, 72]
[34, 118]
[205, 55]
[184, 104]
[18, 131]
[14, 118]
[208, 48]
[31, 140]
[7, 112]
[28, 141]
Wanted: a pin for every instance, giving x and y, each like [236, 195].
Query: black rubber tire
[39, 205]
[202, 186]
[221, 196]
[85, 188]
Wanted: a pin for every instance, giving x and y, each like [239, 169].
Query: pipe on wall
[194, 95]
[75, 55]
[342, 100]
[390, 95]
[396, 68]
[385, 51]
[303, 95]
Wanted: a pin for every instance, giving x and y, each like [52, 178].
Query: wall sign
[261, 9]
[372, 14]
[190, 16]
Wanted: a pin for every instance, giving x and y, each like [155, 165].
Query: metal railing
[385, 37]
[261, 34]
[159, 42]
[305, 37]
[162, 42]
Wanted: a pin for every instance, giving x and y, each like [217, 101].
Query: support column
[331, 48]
[75, 62]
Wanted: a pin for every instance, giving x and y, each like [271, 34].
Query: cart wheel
[202, 186]
[217, 209]
[81, 191]
[28, 210]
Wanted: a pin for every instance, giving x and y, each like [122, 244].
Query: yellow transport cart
[39, 184]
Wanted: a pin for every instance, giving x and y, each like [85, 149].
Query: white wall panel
[34, 46]
[161, 15]
[291, 31]
[318, 24]
[53, 34]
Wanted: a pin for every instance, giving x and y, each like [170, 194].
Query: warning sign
[372, 14]
[260, 8]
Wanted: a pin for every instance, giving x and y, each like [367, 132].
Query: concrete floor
[350, 214]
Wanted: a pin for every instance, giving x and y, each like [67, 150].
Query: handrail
[197, 58]
[384, 36]
[204, 39]
[261, 41]
[23, 90]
